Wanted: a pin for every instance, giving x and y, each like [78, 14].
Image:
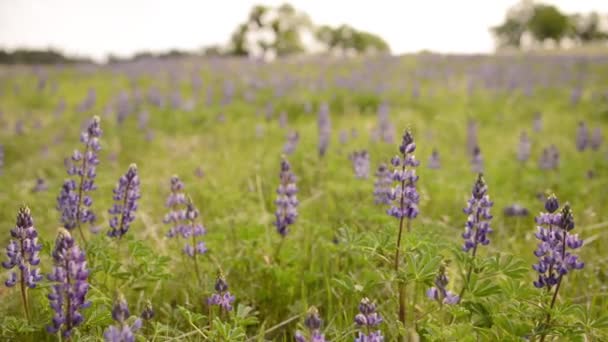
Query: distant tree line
[533, 23]
[31, 56]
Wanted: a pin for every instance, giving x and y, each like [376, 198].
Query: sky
[96, 28]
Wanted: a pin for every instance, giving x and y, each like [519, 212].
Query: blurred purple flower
[126, 195]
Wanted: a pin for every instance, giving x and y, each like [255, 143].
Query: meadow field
[224, 126]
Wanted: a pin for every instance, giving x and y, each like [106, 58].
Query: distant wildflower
[434, 160]
[477, 160]
[70, 286]
[439, 292]
[126, 195]
[40, 185]
[537, 124]
[405, 196]
[386, 129]
[582, 136]
[313, 323]
[575, 95]
[524, 147]
[22, 252]
[74, 202]
[122, 331]
[283, 119]
[553, 231]
[515, 210]
[123, 107]
[222, 296]
[88, 102]
[383, 185]
[360, 161]
[292, 142]
[142, 120]
[596, 139]
[368, 319]
[324, 125]
[343, 137]
[478, 207]
[287, 202]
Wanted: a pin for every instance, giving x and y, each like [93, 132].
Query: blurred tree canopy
[540, 23]
[281, 31]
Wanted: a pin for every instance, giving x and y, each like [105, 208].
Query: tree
[547, 22]
[346, 39]
[510, 33]
[587, 28]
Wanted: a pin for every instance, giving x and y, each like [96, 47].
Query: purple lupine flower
[40, 185]
[596, 139]
[287, 202]
[222, 296]
[383, 185]
[70, 286]
[175, 202]
[386, 130]
[405, 196]
[192, 229]
[122, 331]
[182, 217]
[324, 124]
[22, 251]
[143, 119]
[367, 319]
[582, 136]
[343, 137]
[476, 160]
[554, 157]
[439, 292]
[553, 231]
[74, 202]
[537, 124]
[313, 323]
[88, 102]
[125, 196]
[478, 207]
[360, 161]
[434, 160]
[283, 119]
[292, 142]
[524, 147]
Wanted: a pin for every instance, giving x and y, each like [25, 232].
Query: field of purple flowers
[417, 198]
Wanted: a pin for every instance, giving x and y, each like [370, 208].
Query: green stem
[559, 283]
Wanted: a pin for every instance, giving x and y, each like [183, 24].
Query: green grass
[236, 197]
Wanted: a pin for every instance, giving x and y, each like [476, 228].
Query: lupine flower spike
[368, 319]
[125, 196]
[405, 200]
[70, 286]
[477, 227]
[74, 202]
[439, 292]
[122, 331]
[287, 202]
[324, 125]
[183, 217]
[382, 185]
[22, 252]
[313, 323]
[148, 312]
[554, 258]
[360, 161]
[222, 297]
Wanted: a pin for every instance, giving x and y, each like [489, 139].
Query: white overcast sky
[98, 27]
